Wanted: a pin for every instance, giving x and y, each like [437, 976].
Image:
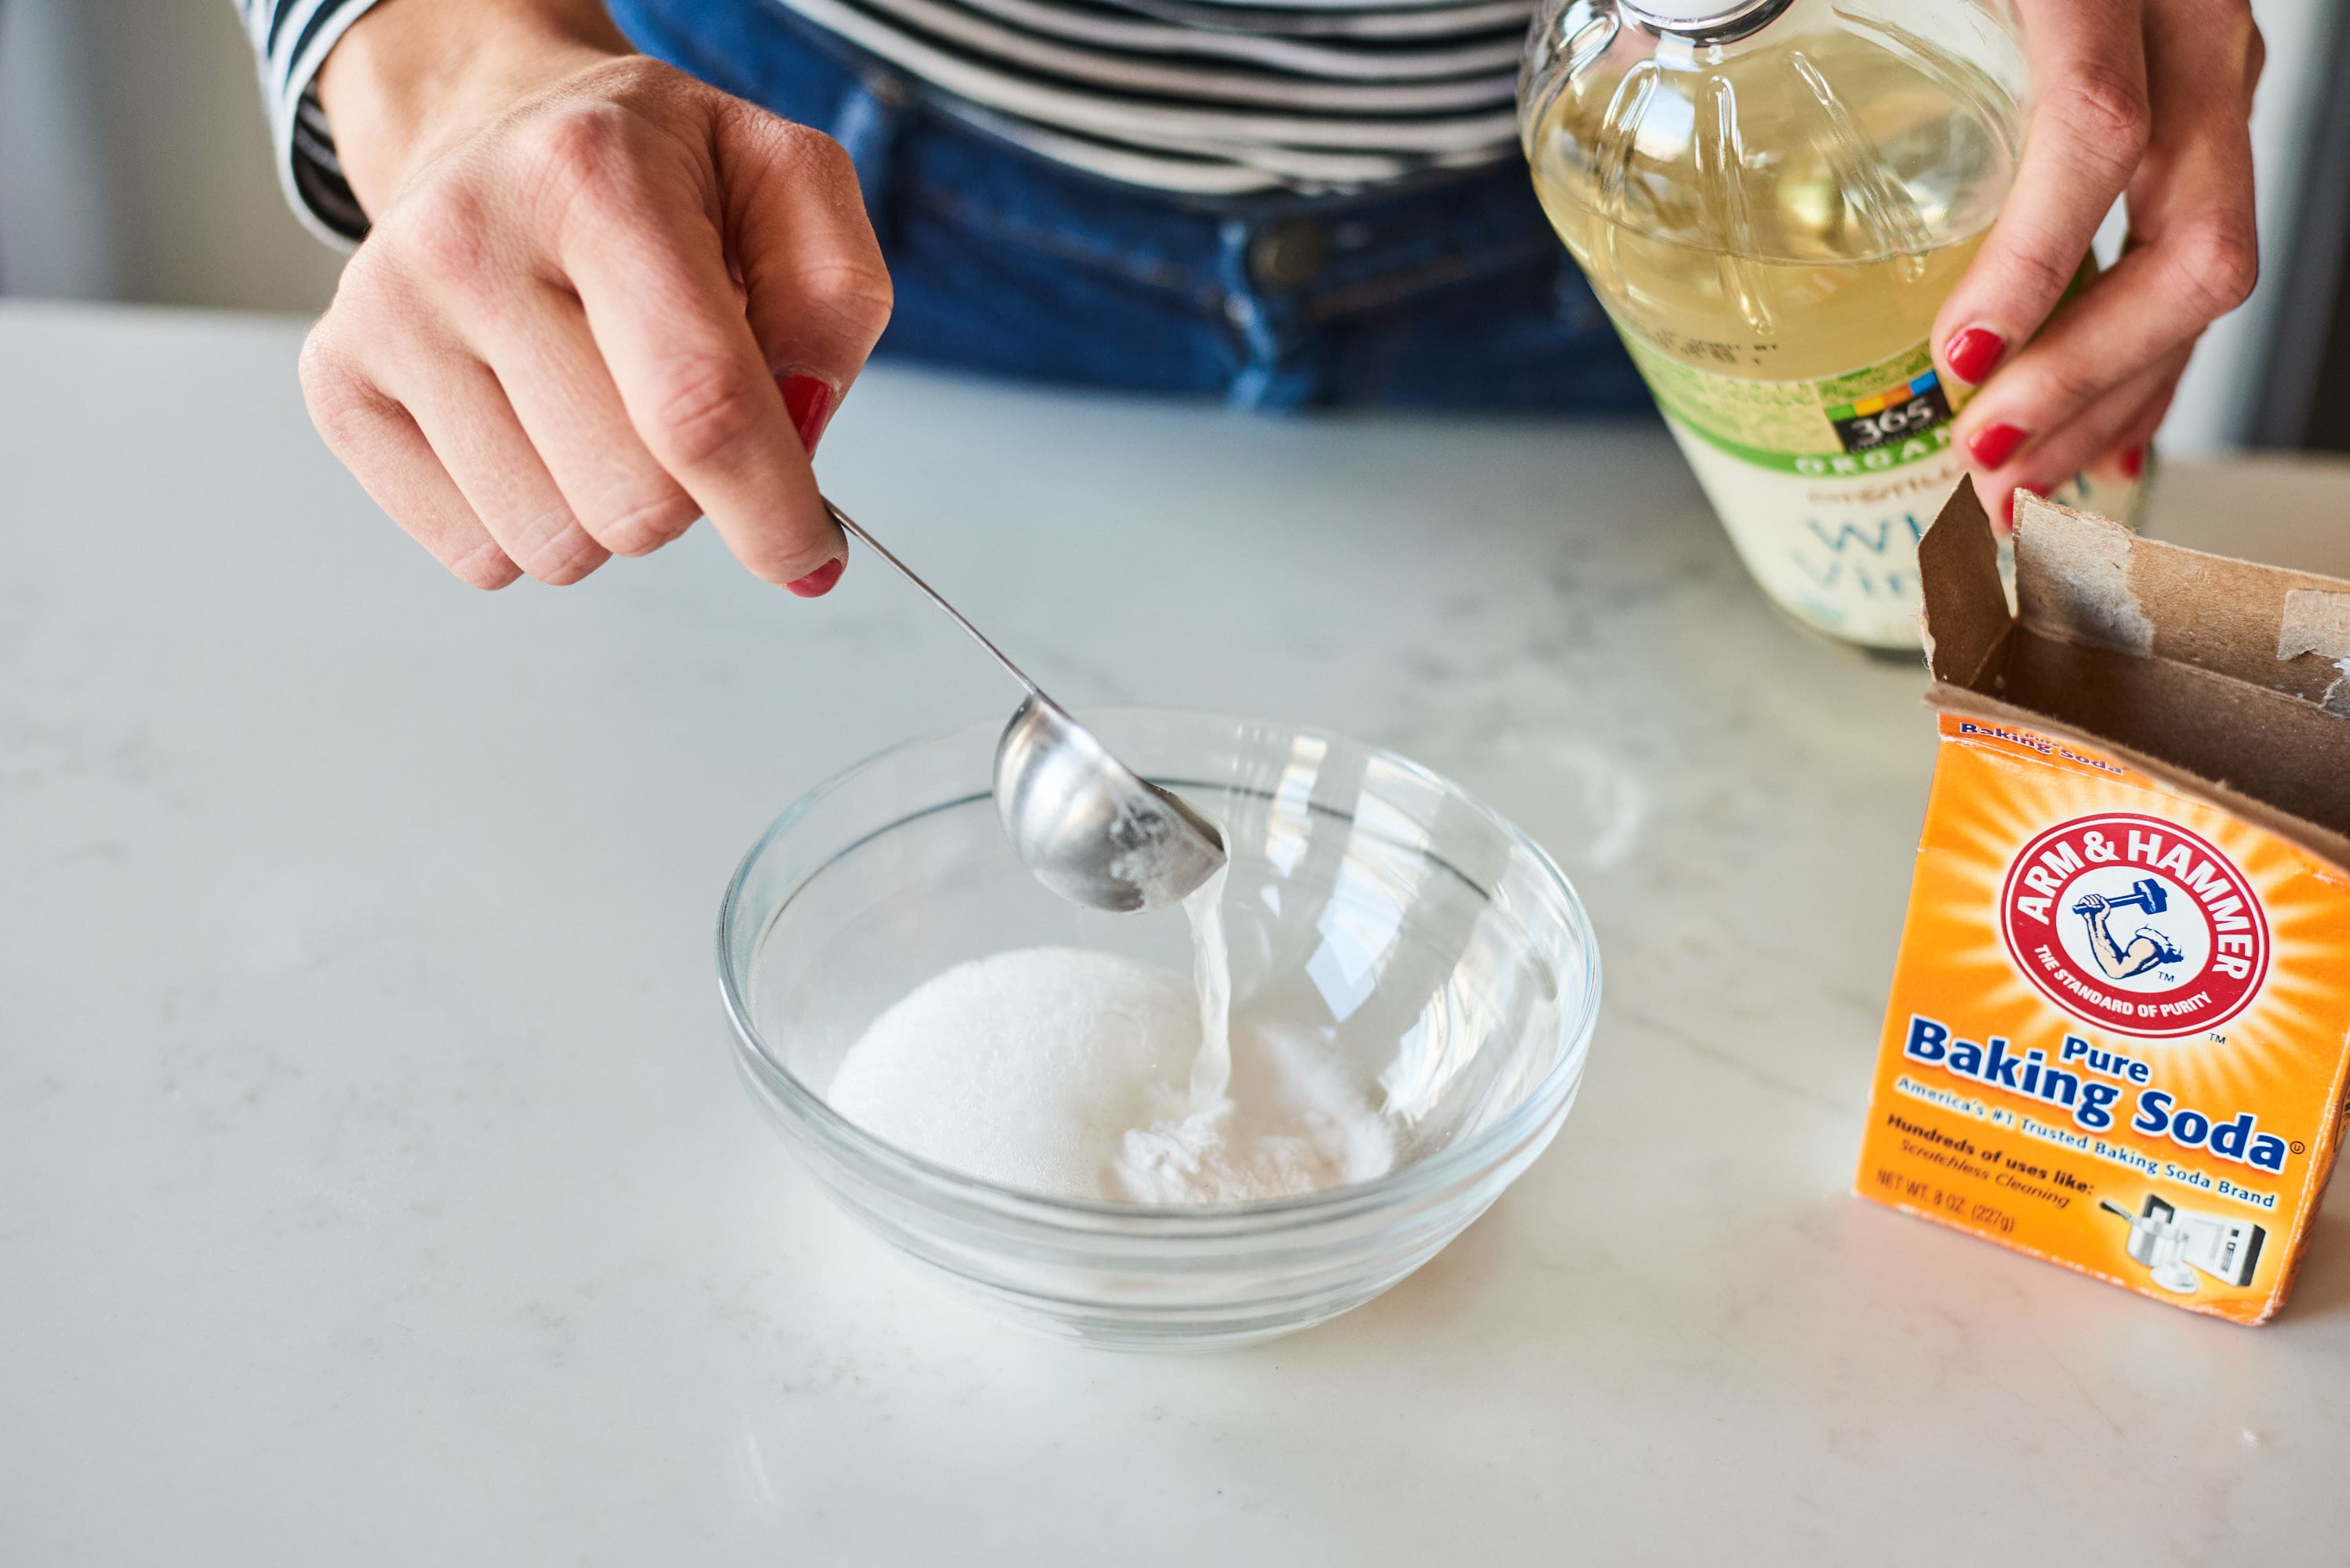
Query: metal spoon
[1085, 822]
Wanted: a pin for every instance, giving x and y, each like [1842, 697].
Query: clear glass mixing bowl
[1425, 939]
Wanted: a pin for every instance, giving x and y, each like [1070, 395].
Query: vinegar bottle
[1772, 198]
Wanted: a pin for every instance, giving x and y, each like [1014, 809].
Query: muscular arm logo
[2134, 923]
[2146, 949]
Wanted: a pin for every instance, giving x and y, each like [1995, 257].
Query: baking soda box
[2120, 1020]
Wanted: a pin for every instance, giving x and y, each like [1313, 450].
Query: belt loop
[872, 114]
[1242, 305]
[1270, 376]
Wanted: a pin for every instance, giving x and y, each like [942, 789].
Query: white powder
[1292, 1124]
[1212, 977]
[1082, 1074]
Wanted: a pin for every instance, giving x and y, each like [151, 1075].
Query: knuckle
[320, 366]
[564, 556]
[631, 76]
[2105, 112]
[366, 287]
[856, 294]
[576, 149]
[704, 406]
[443, 236]
[2040, 274]
[439, 238]
[2220, 259]
[2067, 382]
[337, 398]
[585, 136]
[641, 527]
[483, 567]
[820, 156]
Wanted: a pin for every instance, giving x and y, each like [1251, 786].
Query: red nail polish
[808, 399]
[1974, 353]
[819, 583]
[2133, 461]
[1995, 443]
[2007, 506]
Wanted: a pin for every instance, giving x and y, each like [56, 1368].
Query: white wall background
[2213, 411]
[134, 162]
[134, 165]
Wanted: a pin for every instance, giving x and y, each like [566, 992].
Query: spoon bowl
[1085, 822]
[1087, 826]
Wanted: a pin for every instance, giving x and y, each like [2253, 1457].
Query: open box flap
[2228, 680]
[2083, 580]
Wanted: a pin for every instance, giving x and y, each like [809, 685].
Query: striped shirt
[1207, 97]
[289, 38]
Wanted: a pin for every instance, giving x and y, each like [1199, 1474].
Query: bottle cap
[1705, 21]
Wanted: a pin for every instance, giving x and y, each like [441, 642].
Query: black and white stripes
[289, 38]
[1199, 95]
[1209, 97]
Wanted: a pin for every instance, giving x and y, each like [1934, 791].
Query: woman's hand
[598, 299]
[2150, 98]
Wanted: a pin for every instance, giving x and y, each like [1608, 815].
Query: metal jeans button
[1288, 255]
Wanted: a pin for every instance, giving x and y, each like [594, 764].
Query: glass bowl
[1431, 946]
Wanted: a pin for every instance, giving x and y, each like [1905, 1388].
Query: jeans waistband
[1279, 264]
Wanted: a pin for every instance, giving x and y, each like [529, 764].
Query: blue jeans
[1447, 293]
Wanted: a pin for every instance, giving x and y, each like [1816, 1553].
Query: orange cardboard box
[2119, 1027]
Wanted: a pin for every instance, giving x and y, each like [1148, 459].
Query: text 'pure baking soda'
[1773, 199]
[2118, 1036]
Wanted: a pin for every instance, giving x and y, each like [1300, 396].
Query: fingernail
[808, 399]
[2133, 461]
[1995, 443]
[1973, 353]
[2007, 506]
[819, 583]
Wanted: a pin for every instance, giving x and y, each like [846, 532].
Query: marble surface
[375, 1187]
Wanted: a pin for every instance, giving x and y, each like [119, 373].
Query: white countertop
[376, 1188]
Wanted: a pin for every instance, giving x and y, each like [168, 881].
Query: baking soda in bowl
[1075, 1074]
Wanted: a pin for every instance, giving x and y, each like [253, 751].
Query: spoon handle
[850, 525]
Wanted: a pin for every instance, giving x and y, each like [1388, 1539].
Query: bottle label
[1870, 421]
[1826, 486]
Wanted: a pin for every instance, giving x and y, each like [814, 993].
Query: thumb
[816, 291]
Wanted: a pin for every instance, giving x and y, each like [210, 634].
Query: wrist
[413, 76]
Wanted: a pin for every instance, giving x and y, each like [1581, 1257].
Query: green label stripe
[1913, 386]
[1826, 464]
[1789, 426]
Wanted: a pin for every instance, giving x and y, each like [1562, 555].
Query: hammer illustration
[2145, 892]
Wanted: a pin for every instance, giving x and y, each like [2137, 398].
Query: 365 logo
[2136, 924]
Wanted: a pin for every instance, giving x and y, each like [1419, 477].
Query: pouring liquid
[1211, 976]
